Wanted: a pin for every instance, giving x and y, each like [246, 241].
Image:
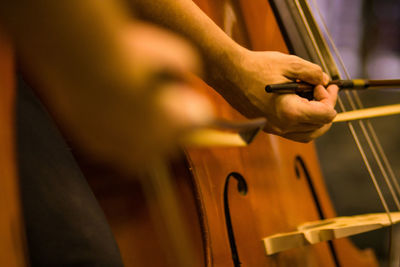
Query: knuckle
[293, 58]
[319, 73]
[296, 66]
[326, 116]
[331, 114]
[288, 115]
[318, 70]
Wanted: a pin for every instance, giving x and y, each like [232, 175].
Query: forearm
[240, 75]
[185, 17]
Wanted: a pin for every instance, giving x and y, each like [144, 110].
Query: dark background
[367, 33]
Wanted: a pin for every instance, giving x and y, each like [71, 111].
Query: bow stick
[355, 84]
[367, 113]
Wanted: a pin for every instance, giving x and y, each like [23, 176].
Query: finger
[162, 49]
[302, 137]
[306, 71]
[294, 110]
[305, 137]
[311, 112]
[320, 110]
[301, 127]
[288, 129]
[327, 96]
[317, 112]
[333, 91]
[184, 107]
[326, 79]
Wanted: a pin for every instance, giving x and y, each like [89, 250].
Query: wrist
[224, 66]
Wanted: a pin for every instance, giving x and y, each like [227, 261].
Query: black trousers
[64, 224]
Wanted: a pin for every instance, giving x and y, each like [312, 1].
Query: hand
[136, 119]
[168, 106]
[288, 115]
[115, 86]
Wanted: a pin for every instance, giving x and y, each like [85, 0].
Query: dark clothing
[65, 226]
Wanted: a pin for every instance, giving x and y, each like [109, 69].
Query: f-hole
[300, 167]
[242, 189]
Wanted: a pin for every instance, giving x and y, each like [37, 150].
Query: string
[351, 127]
[374, 137]
[374, 143]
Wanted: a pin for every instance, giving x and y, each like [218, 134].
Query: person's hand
[288, 115]
[116, 87]
[167, 104]
[136, 115]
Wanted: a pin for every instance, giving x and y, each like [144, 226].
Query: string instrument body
[232, 197]
[284, 182]
[12, 235]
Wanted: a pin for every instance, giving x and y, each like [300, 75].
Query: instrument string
[371, 129]
[361, 123]
[379, 147]
[372, 144]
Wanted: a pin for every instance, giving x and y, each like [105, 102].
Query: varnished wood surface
[12, 240]
[128, 213]
[277, 198]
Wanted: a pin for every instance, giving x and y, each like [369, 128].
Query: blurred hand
[142, 120]
[288, 115]
[115, 86]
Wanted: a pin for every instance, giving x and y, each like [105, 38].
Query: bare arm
[240, 75]
[186, 18]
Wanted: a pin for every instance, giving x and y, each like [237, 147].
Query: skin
[102, 76]
[240, 75]
[99, 72]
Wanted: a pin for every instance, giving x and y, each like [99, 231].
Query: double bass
[231, 198]
[228, 223]
[12, 245]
